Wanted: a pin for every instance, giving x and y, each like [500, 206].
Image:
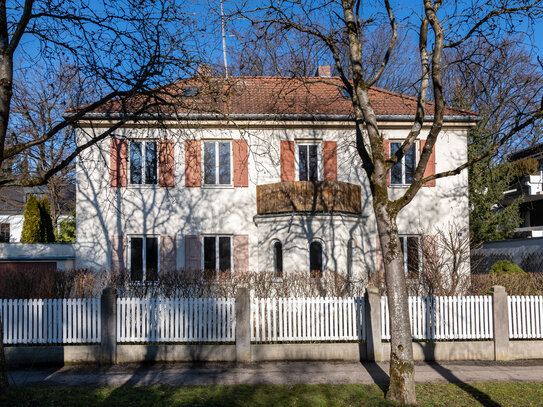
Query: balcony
[308, 196]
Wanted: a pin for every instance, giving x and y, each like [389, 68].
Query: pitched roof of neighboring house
[13, 198]
[535, 151]
[315, 96]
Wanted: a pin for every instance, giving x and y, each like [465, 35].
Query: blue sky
[208, 13]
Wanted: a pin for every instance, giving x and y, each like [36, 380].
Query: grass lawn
[435, 394]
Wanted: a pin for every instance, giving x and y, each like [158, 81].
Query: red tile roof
[265, 96]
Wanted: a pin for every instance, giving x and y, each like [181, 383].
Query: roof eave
[279, 117]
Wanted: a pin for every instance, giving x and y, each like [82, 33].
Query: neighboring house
[30, 257]
[254, 173]
[12, 207]
[531, 189]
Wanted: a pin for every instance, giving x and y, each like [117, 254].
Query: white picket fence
[51, 321]
[452, 318]
[72, 321]
[525, 317]
[176, 320]
[307, 319]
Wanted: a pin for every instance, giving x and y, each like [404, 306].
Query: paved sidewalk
[272, 373]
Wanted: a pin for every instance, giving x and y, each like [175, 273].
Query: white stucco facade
[104, 211]
[15, 222]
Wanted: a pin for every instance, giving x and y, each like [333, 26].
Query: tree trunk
[6, 91]
[402, 367]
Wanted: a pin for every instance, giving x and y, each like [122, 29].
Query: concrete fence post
[243, 325]
[108, 319]
[374, 345]
[501, 323]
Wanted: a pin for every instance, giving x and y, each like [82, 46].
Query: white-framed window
[276, 257]
[217, 256]
[351, 246]
[217, 163]
[143, 257]
[316, 258]
[402, 173]
[412, 255]
[5, 233]
[143, 162]
[308, 161]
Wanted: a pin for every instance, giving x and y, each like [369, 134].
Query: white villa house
[253, 174]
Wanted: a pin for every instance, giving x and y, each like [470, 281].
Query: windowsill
[277, 279]
[399, 185]
[217, 186]
[143, 186]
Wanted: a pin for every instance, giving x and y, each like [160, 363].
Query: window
[412, 256]
[143, 162]
[402, 173]
[217, 163]
[277, 258]
[309, 161]
[144, 258]
[4, 233]
[217, 256]
[316, 259]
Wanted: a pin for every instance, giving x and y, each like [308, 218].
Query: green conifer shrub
[37, 225]
[32, 221]
[505, 267]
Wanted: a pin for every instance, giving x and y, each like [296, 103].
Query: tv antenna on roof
[224, 42]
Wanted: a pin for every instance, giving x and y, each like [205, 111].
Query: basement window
[144, 258]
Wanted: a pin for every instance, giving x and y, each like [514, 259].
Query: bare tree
[36, 108]
[440, 27]
[121, 48]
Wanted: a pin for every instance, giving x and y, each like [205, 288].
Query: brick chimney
[324, 71]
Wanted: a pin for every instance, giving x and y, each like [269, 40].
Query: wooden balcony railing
[308, 196]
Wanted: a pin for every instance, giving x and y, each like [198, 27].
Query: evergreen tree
[490, 217]
[47, 232]
[67, 230]
[37, 225]
[32, 221]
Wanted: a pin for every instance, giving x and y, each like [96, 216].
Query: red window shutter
[166, 163]
[386, 147]
[431, 166]
[117, 253]
[287, 161]
[193, 171]
[240, 150]
[241, 254]
[193, 253]
[168, 254]
[330, 161]
[117, 171]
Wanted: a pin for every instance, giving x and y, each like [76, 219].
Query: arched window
[350, 258]
[277, 258]
[316, 257]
